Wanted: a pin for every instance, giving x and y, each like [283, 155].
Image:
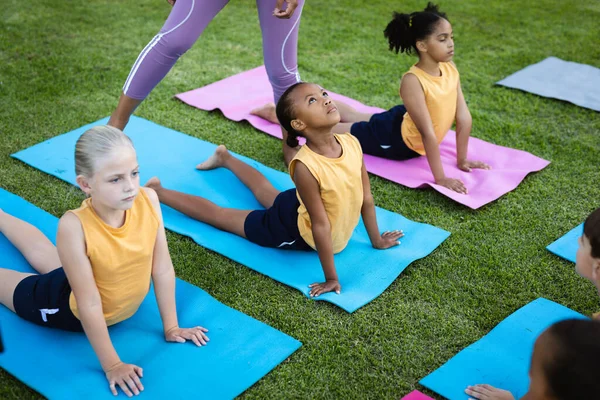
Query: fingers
[288, 12]
[131, 384]
[136, 381]
[112, 388]
[139, 371]
[458, 186]
[124, 388]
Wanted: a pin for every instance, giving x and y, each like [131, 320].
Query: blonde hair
[96, 143]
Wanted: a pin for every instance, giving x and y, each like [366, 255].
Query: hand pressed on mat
[181, 335]
[127, 377]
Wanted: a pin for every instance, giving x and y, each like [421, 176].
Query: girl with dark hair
[564, 365]
[433, 100]
[332, 189]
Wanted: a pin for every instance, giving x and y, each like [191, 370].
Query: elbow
[368, 201]
[321, 227]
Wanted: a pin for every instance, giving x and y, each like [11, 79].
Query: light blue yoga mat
[502, 357]
[566, 246]
[558, 79]
[62, 365]
[364, 272]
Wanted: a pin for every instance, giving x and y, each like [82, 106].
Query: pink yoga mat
[237, 95]
[416, 395]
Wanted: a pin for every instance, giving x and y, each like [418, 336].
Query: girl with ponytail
[432, 96]
[332, 189]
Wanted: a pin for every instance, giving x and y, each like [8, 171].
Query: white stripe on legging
[285, 41]
[149, 47]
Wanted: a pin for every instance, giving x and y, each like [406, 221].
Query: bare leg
[226, 219]
[33, 244]
[347, 113]
[126, 107]
[9, 280]
[260, 187]
[266, 112]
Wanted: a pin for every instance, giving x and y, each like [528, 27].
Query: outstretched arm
[308, 189]
[379, 241]
[163, 276]
[414, 100]
[70, 243]
[464, 123]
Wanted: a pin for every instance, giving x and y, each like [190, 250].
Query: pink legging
[187, 21]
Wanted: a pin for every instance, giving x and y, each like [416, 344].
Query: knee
[174, 46]
[280, 81]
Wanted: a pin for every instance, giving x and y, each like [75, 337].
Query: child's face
[586, 265]
[116, 181]
[314, 108]
[538, 383]
[440, 44]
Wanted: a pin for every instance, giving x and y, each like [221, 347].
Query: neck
[110, 216]
[323, 142]
[429, 65]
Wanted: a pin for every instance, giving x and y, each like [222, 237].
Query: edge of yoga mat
[362, 286]
[42, 369]
[566, 246]
[483, 185]
[493, 359]
[416, 395]
[518, 79]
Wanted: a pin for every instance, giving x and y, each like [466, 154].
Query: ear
[298, 125]
[596, 269]
[84, 184]
[421, 46]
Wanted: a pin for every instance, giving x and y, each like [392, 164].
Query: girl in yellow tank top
[107, 253]
[433, 101]
[332, 189]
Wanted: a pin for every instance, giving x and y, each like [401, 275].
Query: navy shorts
[381, 136]
[44, 300]
[277, 226]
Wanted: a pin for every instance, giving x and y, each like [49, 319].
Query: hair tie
[410, 22]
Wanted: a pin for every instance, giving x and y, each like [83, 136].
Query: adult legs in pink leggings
[183, 27]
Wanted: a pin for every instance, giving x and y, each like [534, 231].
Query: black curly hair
[285, 114]
[405, 30]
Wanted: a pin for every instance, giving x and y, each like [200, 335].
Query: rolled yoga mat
[63, 365]
[364, 272]
[237, 95]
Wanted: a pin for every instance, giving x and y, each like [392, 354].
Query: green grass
[62, 65]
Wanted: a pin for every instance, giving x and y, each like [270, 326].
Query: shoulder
[350, 141]
[450, 68]
[152, 198]
[70, 226]
[411, 83]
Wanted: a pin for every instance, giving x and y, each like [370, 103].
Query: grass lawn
[62, 65]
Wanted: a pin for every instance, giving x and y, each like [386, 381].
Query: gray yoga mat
[558, 79]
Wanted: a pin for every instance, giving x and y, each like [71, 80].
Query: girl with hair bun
[107, 253]
[432, 96]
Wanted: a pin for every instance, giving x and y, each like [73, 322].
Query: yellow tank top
[441, 93]
[340, 182]
[121, 258]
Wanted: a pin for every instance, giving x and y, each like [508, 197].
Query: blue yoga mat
[172, 156]
[566, 246]
[502, 357]
[62, 365]
[558, 79]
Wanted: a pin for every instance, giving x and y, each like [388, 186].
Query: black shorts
[44, 300]
[277, 226]
[381, 136]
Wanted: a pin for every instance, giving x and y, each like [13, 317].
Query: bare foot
[266, 112]
[154, 183]
[487, 392]
[216, 160]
